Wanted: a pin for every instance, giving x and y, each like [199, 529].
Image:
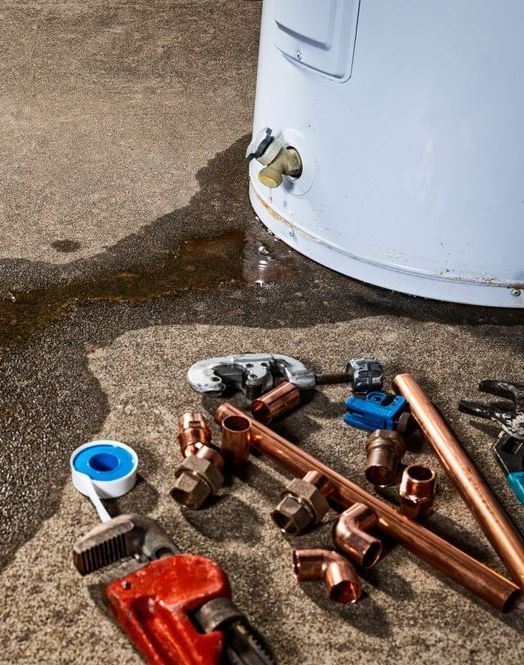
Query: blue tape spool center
[104, 461]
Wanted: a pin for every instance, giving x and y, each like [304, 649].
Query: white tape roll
[103, 470]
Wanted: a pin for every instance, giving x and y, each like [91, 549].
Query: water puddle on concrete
[249, 257]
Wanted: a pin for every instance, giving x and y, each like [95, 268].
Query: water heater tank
[395, 129]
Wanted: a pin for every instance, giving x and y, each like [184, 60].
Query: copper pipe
[333, 569]
[459, 566]
[459, 467]
[385, 449]
[352, 539]
[193, 432]
[235, 440]
[417, 491]
[276, 402]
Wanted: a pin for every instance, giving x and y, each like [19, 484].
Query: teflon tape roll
[103, 470]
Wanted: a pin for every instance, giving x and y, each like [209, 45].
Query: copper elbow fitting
[333, 569]
[235, 440]
[417, 491]
[385, 449]
[351, 537]
[193, 432]
[275, 403]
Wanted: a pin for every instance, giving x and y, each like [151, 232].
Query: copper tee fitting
[276, 403]
[351, 538]
[333, 569]
[193, 432]
[385, 449]
[417, 491]
[302, 504]
[235, 440]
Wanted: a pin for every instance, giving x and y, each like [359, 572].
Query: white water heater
[389, 142]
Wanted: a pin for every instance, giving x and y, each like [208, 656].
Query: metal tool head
[509, 453]
[244, 644]
[509, 415]
[123, 536]
[251, 373]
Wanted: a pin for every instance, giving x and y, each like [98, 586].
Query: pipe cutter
[177, 608]
[256, 373]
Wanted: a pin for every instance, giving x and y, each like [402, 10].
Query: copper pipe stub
[192, 432]
[235, 440]
[385, 449]
[417, 491]
[333, 569]
[275, 403]
[351, 537]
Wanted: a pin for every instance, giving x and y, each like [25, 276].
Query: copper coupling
[199, 476]
[385, 449]
[417, 491]
[302, 504]
[333, 569]
[193, 432]
[275, 403]
[351, 537]
[235, 440]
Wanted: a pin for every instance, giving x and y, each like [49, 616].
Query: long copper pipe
[464, 569]
[459, 467]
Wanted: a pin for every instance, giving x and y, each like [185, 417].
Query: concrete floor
[128, 251]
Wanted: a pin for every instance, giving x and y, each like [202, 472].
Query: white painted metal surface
[409, 118]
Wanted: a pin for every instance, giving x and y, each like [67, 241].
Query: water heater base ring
[389, 277]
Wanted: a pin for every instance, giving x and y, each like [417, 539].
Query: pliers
[510, 417]
[508, 449]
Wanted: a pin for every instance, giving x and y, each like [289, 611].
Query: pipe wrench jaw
[124, 536]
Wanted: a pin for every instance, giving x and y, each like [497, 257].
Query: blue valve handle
[377, 410]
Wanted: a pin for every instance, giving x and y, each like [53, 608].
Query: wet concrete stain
[66, 246]
[209, 262]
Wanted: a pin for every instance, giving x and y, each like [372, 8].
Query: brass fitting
[333, 569]
[352, 539]
[200, 473]
[193, 432]
[385, 449]
[302, 504]
[235, 440]
[287, 162]
[417, 491]
[276, 402]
